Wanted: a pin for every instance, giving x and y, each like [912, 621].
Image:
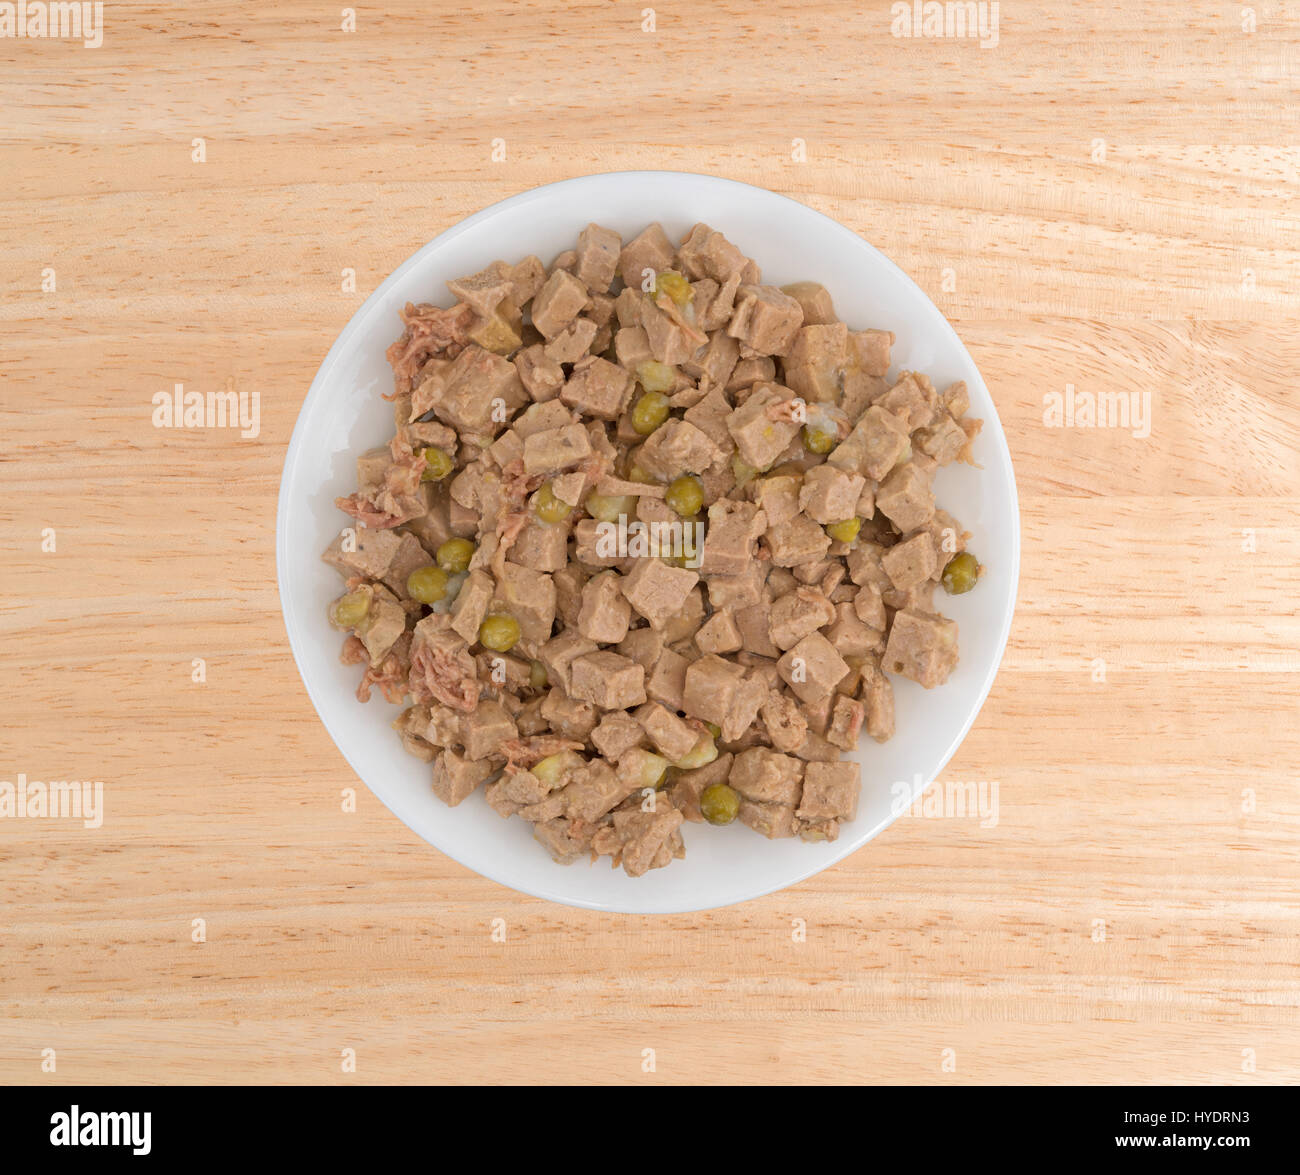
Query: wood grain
[1107, 199]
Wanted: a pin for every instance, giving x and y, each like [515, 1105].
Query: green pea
[676, 286]
[607, 508]
[427, 584]
[454, 555]
[719, 803]
[549, 508]
[685, 496]
[846, 531]
[817, 440]
[350, 610]
[498, 633]
[743, 472]
[960, 574]
[649, 412]
[655, 376]
[537, 675]
[437, 464]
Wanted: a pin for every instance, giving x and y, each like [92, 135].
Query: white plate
[344, 414]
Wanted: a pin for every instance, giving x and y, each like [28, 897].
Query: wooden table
[1106, 199]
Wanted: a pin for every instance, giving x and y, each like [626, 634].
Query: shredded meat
[445, 677]
[522, 753]
[430, 331]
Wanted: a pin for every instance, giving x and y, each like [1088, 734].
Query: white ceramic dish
[344, 415]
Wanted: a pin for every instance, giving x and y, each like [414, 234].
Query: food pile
[648, 543]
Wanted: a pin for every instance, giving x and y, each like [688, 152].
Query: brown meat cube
[814, 300]
[830, 792]
[485, 729]
[569, 582]
[541, 546]
[905, 498]
[922, 647]
[721, 692]
[650, 250]
[813, 365]
[943, 440]
[719, 634]
[846, 721]
[647, 838]
[509, 793]
[597, 388]
[677, 447]
[717, 360]
[373, 554]
[885, 440]
[568, 716]
[749, 372]
[528, 596]
[912, 399]
[608, 680]
[671, 341]
[865, 566]
[796, 614]
[593, 790]
[784, 721]
[870, 608]
[850, 636]
[484, 291]
[598, 254]
[877, 693]
[911, 562]
[617, 733]
[555, 449]
[541, 417]
[383, 625]
[605, 612]
[705, 252]
[471, 605]
[558, 303]
[467, 393]
[738, 591]
[632, 348]
[672, 737]
[800, 540]
[729, 539]
[956, 399]
[683, 625]
[644, 645]
[572, 342]
[556, 837]
[830, 495]
[754, 634]
[765, 319]
[455, 777]
[812, 668]
[710, 688]
[774, 821]
[779, 497]
[760, 438]
[869, 350]
[559, 653]
[666, 682]
[657, 591]
[767, 777]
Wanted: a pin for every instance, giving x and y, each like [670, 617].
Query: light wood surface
[1113, 190]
